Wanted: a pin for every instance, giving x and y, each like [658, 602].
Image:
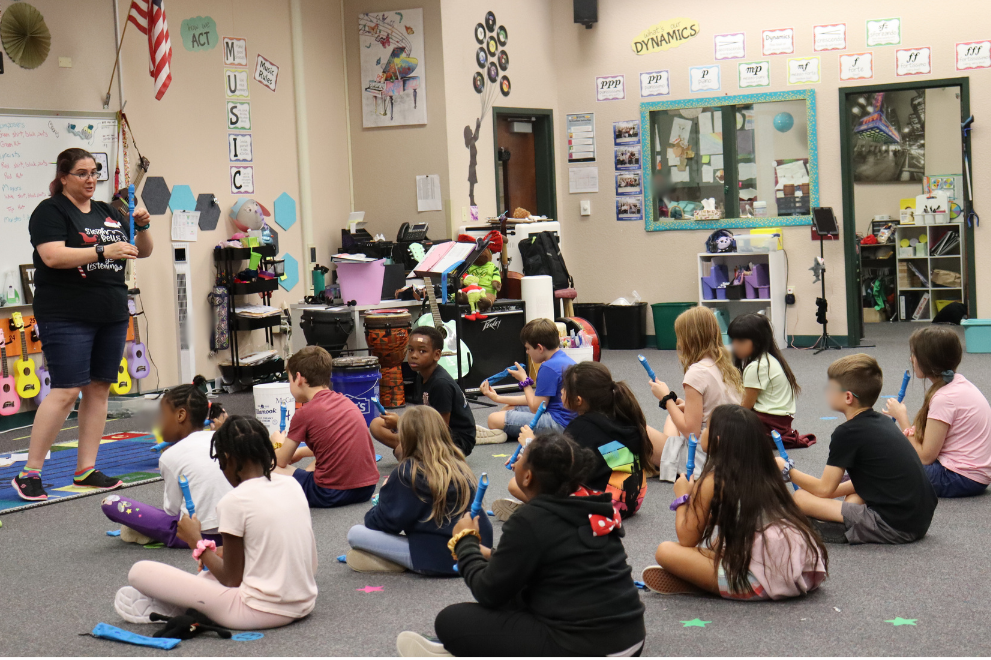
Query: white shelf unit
[777, 274]
[926, 264]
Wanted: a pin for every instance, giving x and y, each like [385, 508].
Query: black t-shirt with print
[442, 393]
[94, 292]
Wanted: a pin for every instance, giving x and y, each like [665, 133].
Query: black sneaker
[97, 479]
[29, 488]
[831, 532]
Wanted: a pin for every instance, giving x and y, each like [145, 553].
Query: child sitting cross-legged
[740, 534]
[435, 388]
[889, 498]
[263, 576]
[181, 415]
[542, 343]
[343, 470]
[419, 504]
[952, 430]
[557, 584]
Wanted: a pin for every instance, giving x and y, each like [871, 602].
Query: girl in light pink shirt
[952, 430]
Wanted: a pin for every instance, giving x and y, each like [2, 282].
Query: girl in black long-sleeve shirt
[557, 584]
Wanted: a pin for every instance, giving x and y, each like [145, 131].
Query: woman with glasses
[81, 247]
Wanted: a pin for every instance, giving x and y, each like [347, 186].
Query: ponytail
[937, 352]
[64, 164]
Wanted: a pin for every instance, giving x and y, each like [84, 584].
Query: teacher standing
[81, 247]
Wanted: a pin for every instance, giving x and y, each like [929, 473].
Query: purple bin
[758, 282]
[711, 283]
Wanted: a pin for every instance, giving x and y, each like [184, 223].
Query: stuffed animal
[248, 215]
[475, 297]
[484, 268]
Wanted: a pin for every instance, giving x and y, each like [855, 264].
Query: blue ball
[783, 121]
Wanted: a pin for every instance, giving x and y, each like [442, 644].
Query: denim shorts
[948, 483]
[521, 416]
[77, 352]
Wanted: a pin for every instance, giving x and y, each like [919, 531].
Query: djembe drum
[387, 334]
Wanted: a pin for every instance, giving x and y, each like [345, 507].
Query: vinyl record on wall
[481, 57]
[478, 82]
[503, 60]
[504, 86]
[492, 46]
[493, 72]
[502, 35]
[480, 33]
[490, 22]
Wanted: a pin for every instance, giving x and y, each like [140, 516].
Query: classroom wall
[388, 159]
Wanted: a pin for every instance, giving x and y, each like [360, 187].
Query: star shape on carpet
[500, 455]
[898, 621]
[695, 623]
[369, 590]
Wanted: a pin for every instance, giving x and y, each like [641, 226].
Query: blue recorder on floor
[378, 405]
[693, 444]
[186, 495]
[781, 449]
[130, 210]
[646, 365]
[533, 425]
[483, 484]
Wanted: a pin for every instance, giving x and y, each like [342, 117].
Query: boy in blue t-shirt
[541, 339]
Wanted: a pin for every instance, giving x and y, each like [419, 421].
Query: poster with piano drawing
[393, 78]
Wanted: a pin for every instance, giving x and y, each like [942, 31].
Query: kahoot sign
[663, 36]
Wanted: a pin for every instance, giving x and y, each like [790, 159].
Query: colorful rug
[128, 456]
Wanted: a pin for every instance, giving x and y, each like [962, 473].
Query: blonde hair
[699, 337]
[427, 445]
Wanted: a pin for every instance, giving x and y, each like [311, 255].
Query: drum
[328, 327]
[357, 378]
[387, 334]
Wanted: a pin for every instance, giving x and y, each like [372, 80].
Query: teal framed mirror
[755, 156]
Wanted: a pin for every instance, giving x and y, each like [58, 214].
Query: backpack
[542, 256]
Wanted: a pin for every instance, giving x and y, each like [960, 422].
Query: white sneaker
[487, 436]
[134, 607]
[128, 535]
[505, 508]
[365, 562]
[412, 645]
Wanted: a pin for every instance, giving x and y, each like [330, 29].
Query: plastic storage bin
[758, 282]
[711, 283]
[756, 242]
[977, 334]
[361, 282]
[626, 326]
[664, 316]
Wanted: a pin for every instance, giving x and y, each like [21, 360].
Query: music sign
[755, 74]
[610, 88]
[703, 78]
[913, 61]
[655, 83]
[973, 55]
[803, 70]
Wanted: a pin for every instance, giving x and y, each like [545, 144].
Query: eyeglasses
[836, 387]
[82, 176]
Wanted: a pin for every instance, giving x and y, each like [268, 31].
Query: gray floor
[60, 570]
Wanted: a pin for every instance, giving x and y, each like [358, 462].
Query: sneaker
[134, 607]
[831, 532]
[98, 480]
[661, 581]
[365, 562]
[487, 436]
[412, 645]
[505, 508]
[128, 535]
[29, 488]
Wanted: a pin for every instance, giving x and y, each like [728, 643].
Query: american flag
[149, 17]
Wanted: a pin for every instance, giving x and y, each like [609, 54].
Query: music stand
[825, 225]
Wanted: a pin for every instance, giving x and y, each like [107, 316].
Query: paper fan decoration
[25, 36]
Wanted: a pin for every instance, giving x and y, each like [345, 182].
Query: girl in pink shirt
[952, 430]
[740, 533]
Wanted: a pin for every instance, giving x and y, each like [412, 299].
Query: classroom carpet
[61, 570]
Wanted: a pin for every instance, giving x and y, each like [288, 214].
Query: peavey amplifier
[494, 342]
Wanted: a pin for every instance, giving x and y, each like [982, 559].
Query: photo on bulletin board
[628, 158]
[629, 183]
[626, 132]
[629, 208]
[393, 71]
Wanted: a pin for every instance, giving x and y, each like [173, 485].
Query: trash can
[626, 326]
[664, 316]
[593, 313]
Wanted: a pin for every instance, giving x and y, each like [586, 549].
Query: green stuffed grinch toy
[476, 298]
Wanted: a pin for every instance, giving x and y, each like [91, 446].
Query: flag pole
[106, 99]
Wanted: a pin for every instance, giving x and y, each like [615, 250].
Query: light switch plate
[586, 207]
[65, 62]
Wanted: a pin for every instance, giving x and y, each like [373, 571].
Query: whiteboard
[30, 142]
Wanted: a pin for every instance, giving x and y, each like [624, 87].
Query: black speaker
[494, 342]
[587, 12]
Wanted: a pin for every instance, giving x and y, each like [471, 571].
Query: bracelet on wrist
[526, 383]
[202, 546]
[453, 543]
[138, 227]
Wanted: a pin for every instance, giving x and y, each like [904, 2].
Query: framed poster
[393, 69]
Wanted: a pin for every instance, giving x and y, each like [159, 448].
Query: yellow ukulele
[123, 384]
[25, 377]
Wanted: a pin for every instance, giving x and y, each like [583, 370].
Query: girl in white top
[264, 577]
[710, 381]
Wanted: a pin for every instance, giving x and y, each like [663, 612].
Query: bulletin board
[30, 142]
